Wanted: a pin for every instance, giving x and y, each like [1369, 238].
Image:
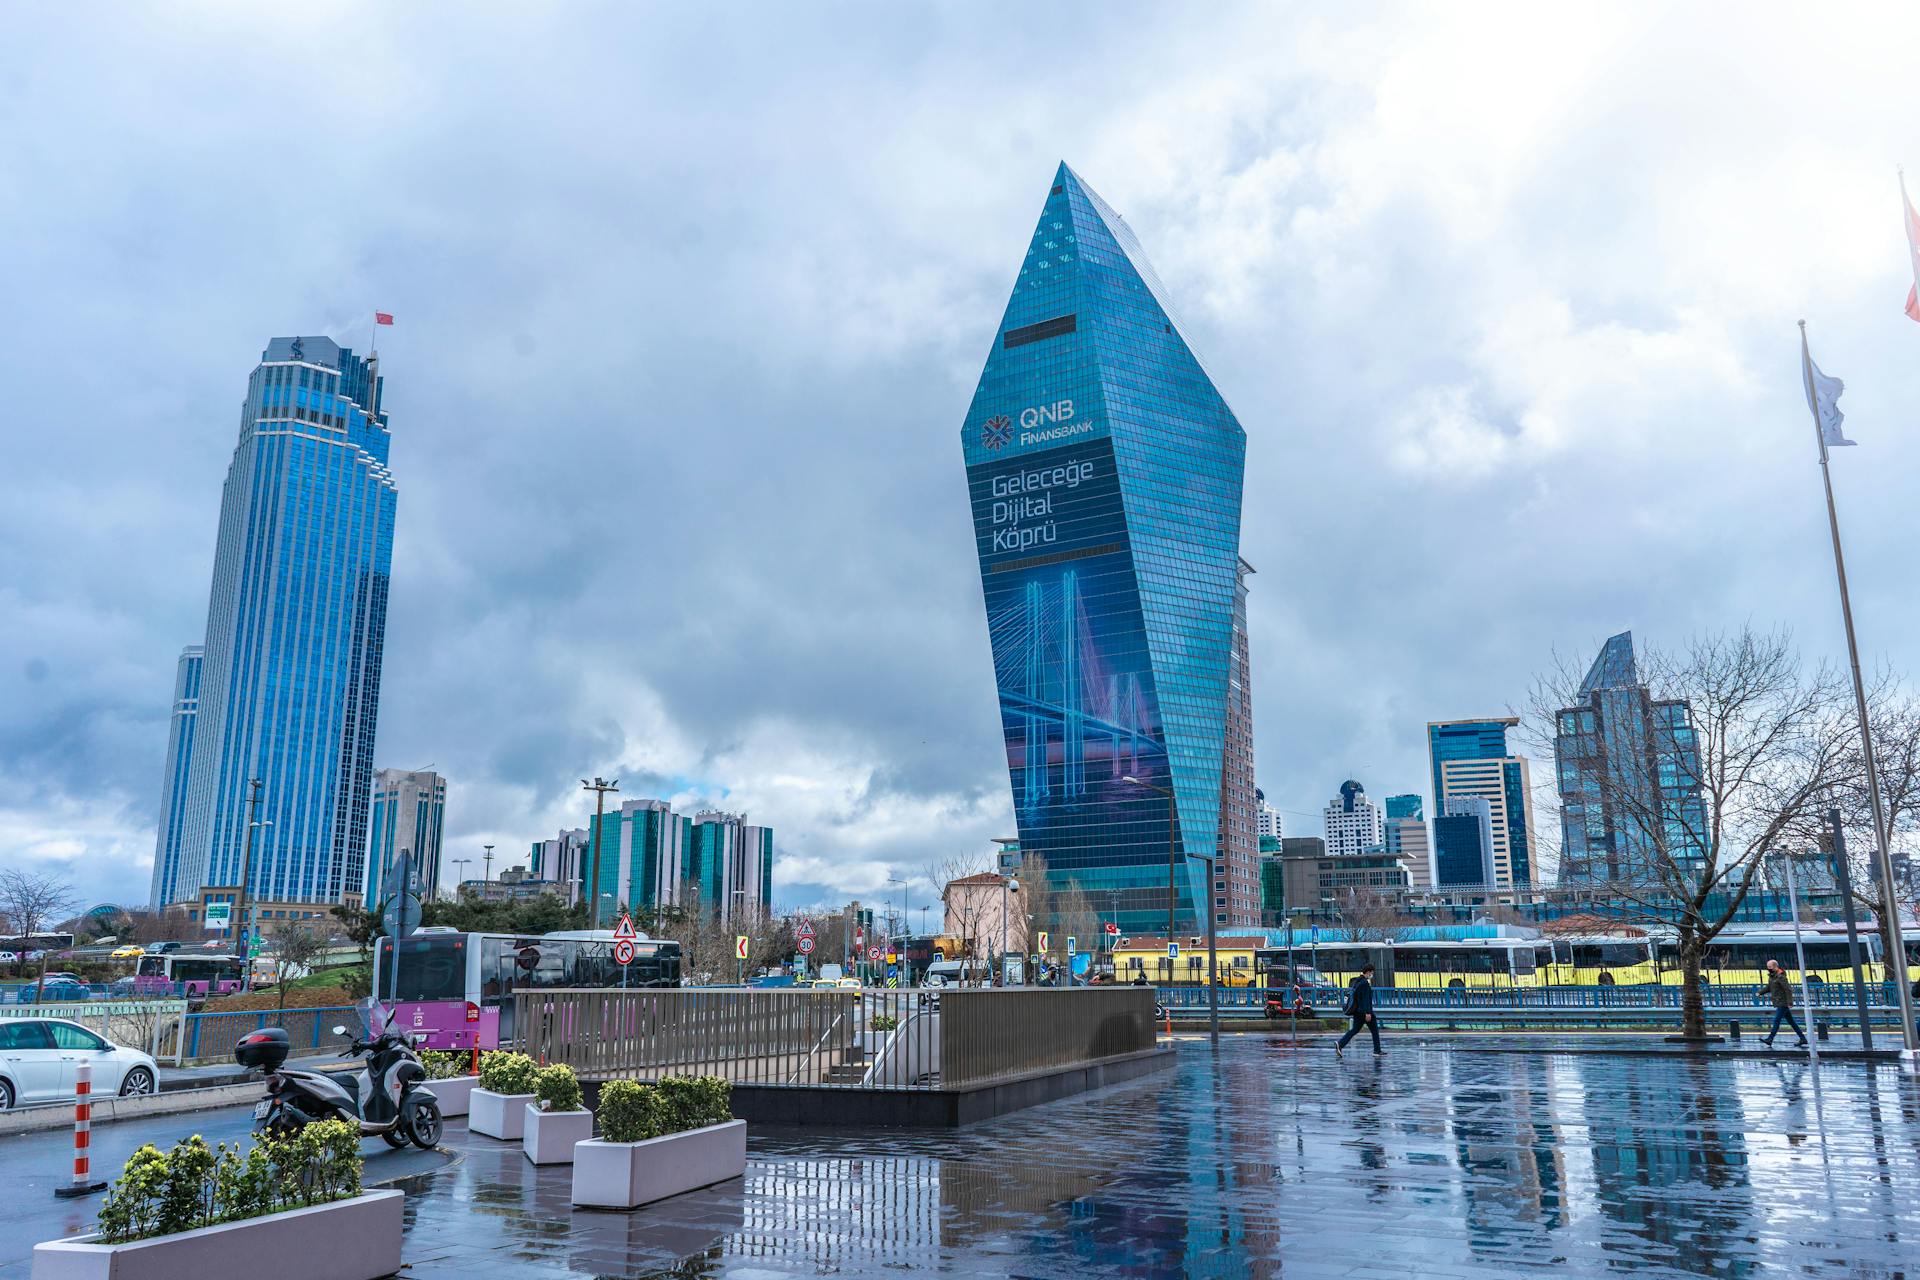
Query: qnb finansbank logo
[1039, 424]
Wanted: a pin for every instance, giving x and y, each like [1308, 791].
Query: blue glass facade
[1104, 471]
[173, 785]
[290, 689]
[1470, 758]
[1399, 807]
[1628, 768]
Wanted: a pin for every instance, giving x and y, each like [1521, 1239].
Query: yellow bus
[1472, 963]
[1136, 958]
[1740, 959]
[1602, 960]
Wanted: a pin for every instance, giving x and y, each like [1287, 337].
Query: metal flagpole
[1882, 855]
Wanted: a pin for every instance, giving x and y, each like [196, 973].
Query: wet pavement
[1266, 1161]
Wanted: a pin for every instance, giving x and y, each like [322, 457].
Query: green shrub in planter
[695, 1102]
[630, 1112]
[882, 1022]
[557, 1088]
[162, 1193]
[445, 1064]
[505, 1072]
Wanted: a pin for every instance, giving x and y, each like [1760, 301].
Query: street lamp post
[1213, 970]
[246, 863]
[458, 876]
[599, 786]
[893, 942]
[1008, 887]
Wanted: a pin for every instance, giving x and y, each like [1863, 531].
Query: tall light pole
[1213, 967]
[246, 865]
[1172, 855]
[600, 787]
[459, 875]
[1008, 887]
[896, 941]
[486, 865]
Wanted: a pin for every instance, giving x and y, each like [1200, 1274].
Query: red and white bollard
[83, 1183]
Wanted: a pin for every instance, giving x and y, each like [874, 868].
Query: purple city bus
[456, 989]
[193, 974]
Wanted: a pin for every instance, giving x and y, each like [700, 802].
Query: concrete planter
[550, 1135]
[626, 1175]
[357, 1239]
[455, 1095]
[498, 1115]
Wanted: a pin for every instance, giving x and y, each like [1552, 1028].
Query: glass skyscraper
[1628, 772]
[1470, 758]
[296, 619]
[173, 786]
[409, 813]
[1105, 473]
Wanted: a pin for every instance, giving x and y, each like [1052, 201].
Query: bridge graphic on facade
[1069, 705]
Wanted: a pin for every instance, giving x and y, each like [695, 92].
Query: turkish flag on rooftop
[383, 317]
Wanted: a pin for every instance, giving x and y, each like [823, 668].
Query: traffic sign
[624, 929]
[1073, 944]
[892, 958]
[805, 930]
[739, 946]
[219, 915]
[623, 951]
[1043, 942]
[873, 954]
[1173, 951]
[401, 916]
[805, 944]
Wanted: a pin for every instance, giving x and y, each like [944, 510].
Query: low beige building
[986, 913]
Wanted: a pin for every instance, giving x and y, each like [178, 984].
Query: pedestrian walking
[1781, 992]
[1359, 1007]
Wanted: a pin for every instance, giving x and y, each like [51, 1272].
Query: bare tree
[965, 911]
[297, 947]
[1368, 915]
[1893, 715]
[1695, 826]
[33, 902]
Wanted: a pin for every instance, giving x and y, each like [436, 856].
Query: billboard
[1077, 699]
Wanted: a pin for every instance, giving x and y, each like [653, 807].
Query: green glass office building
[1105, 471]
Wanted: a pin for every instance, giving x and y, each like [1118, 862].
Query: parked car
[161, 948]
[8, 957]
[54, 990]
[63, 975]
[37, 1057]
[131, 951]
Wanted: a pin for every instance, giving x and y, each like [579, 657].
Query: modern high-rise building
[730, 865]
[1463, 843]
[173, 785]
[1272, 825]
[1406, 840]
[1353, 822]
[561, 860]
[643, 852]
[1104, 470]
[409, 813]
[296, 623]
[1470, 758]
[1628, 769]
[1236, 886]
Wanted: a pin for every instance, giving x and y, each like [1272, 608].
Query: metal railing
[137, 1024]
[199, 1038]
[873, 1039]
[1611, 1004]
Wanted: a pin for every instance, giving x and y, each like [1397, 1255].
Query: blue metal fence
[1616, 1003]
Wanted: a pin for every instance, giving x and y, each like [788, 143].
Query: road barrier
[83, 1183]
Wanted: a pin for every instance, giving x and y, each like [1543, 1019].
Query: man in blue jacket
[1360, 1009]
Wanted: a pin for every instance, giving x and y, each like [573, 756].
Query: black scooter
[388, 1099]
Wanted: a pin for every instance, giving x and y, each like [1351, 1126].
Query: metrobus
[1603, 960]
[456, 989]
[193, 974]
[1740, 959]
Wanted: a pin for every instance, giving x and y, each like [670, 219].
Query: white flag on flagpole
[1823, 397]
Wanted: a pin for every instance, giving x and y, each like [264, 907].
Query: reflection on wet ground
[1267, 1161]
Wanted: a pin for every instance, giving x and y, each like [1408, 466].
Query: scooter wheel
[423, 1123]
[395, 1138]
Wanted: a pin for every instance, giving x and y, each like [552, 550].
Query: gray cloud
[690, 305]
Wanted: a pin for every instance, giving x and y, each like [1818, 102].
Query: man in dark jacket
[1360, 1009]
[1781, 993]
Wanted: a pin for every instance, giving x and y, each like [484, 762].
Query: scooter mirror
[339, 1031]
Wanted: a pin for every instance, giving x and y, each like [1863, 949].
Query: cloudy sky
[691, 304]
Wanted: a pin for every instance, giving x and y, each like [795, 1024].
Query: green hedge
[631, 1112]
[194, 1185]
[446, 1064]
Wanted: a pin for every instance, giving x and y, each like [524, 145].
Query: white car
[8, 957]
[37, 1057]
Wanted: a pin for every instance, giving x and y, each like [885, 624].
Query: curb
[59, 1115]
